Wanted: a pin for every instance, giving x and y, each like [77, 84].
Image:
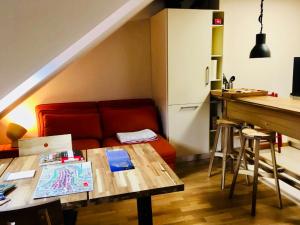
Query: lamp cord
[260, 18]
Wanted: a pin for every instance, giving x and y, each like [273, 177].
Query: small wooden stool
[227, 126]
[256, 136]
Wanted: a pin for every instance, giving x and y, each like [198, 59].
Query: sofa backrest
[128, 115]
[97, 119]
[80, 119]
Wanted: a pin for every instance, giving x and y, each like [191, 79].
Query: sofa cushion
[161, 146]
[62, 108]
[128, 119]
[82, 144]
[85, 125]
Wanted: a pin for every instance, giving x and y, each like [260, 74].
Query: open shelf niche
[216, 75]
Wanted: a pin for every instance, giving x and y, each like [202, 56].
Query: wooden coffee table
[151, 176]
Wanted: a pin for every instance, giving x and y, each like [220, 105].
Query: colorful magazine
[64, 179]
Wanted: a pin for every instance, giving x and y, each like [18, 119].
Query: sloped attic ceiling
[41, 38]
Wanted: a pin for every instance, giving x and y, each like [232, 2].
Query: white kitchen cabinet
[181, 46]
[189, 49]
[189, 127]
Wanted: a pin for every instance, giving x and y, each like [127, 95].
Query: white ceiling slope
[42, 37]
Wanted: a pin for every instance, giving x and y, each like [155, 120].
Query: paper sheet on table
[20, 175]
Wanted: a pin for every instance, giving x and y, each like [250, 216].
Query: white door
[189, 51]
[189, 128]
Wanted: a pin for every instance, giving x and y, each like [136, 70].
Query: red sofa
[95, 124]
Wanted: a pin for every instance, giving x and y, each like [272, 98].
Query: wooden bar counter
[273, 113]
[277, 114]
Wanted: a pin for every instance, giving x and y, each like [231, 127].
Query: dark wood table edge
[133, 195]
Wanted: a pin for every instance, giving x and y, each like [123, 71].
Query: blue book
[119, 160]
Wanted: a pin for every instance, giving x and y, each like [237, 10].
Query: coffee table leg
[144, 210]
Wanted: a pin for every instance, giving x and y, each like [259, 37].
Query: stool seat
[252, 133]
[228, 122]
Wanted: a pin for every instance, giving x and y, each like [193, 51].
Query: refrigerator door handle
[207, 76]
[194, 107]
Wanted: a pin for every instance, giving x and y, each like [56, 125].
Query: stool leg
[279, 142]
[255, 178]
[212, 154]
[251, 141]
[276, 175]
[246, 167]
[236, 172]
[244, 157]
[230, 145]
[224, 160]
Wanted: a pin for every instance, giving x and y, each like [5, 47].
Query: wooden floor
[202, 202]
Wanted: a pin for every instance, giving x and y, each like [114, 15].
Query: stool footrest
[261, 173]
[219, 154]
[246, 172]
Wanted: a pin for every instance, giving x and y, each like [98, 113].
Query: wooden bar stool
[256, 136]
[228, 127]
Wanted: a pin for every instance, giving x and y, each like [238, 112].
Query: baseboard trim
[190, 158]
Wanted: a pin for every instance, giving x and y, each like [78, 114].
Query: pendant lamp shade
[260, 50]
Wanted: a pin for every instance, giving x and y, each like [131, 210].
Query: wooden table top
[261, 99]
[4, 163]
[23, 194]
[277, 103]
[151, 175]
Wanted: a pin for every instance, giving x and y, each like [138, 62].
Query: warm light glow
[23, 115]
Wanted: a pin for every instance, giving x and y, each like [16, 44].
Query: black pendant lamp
[260, 50]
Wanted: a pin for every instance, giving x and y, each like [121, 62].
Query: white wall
[34, 32]
[118, 68]
[281, 24]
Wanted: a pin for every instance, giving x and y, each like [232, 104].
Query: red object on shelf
[217, 21]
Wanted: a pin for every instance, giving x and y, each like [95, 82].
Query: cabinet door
[189, 128]
[189, 49]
